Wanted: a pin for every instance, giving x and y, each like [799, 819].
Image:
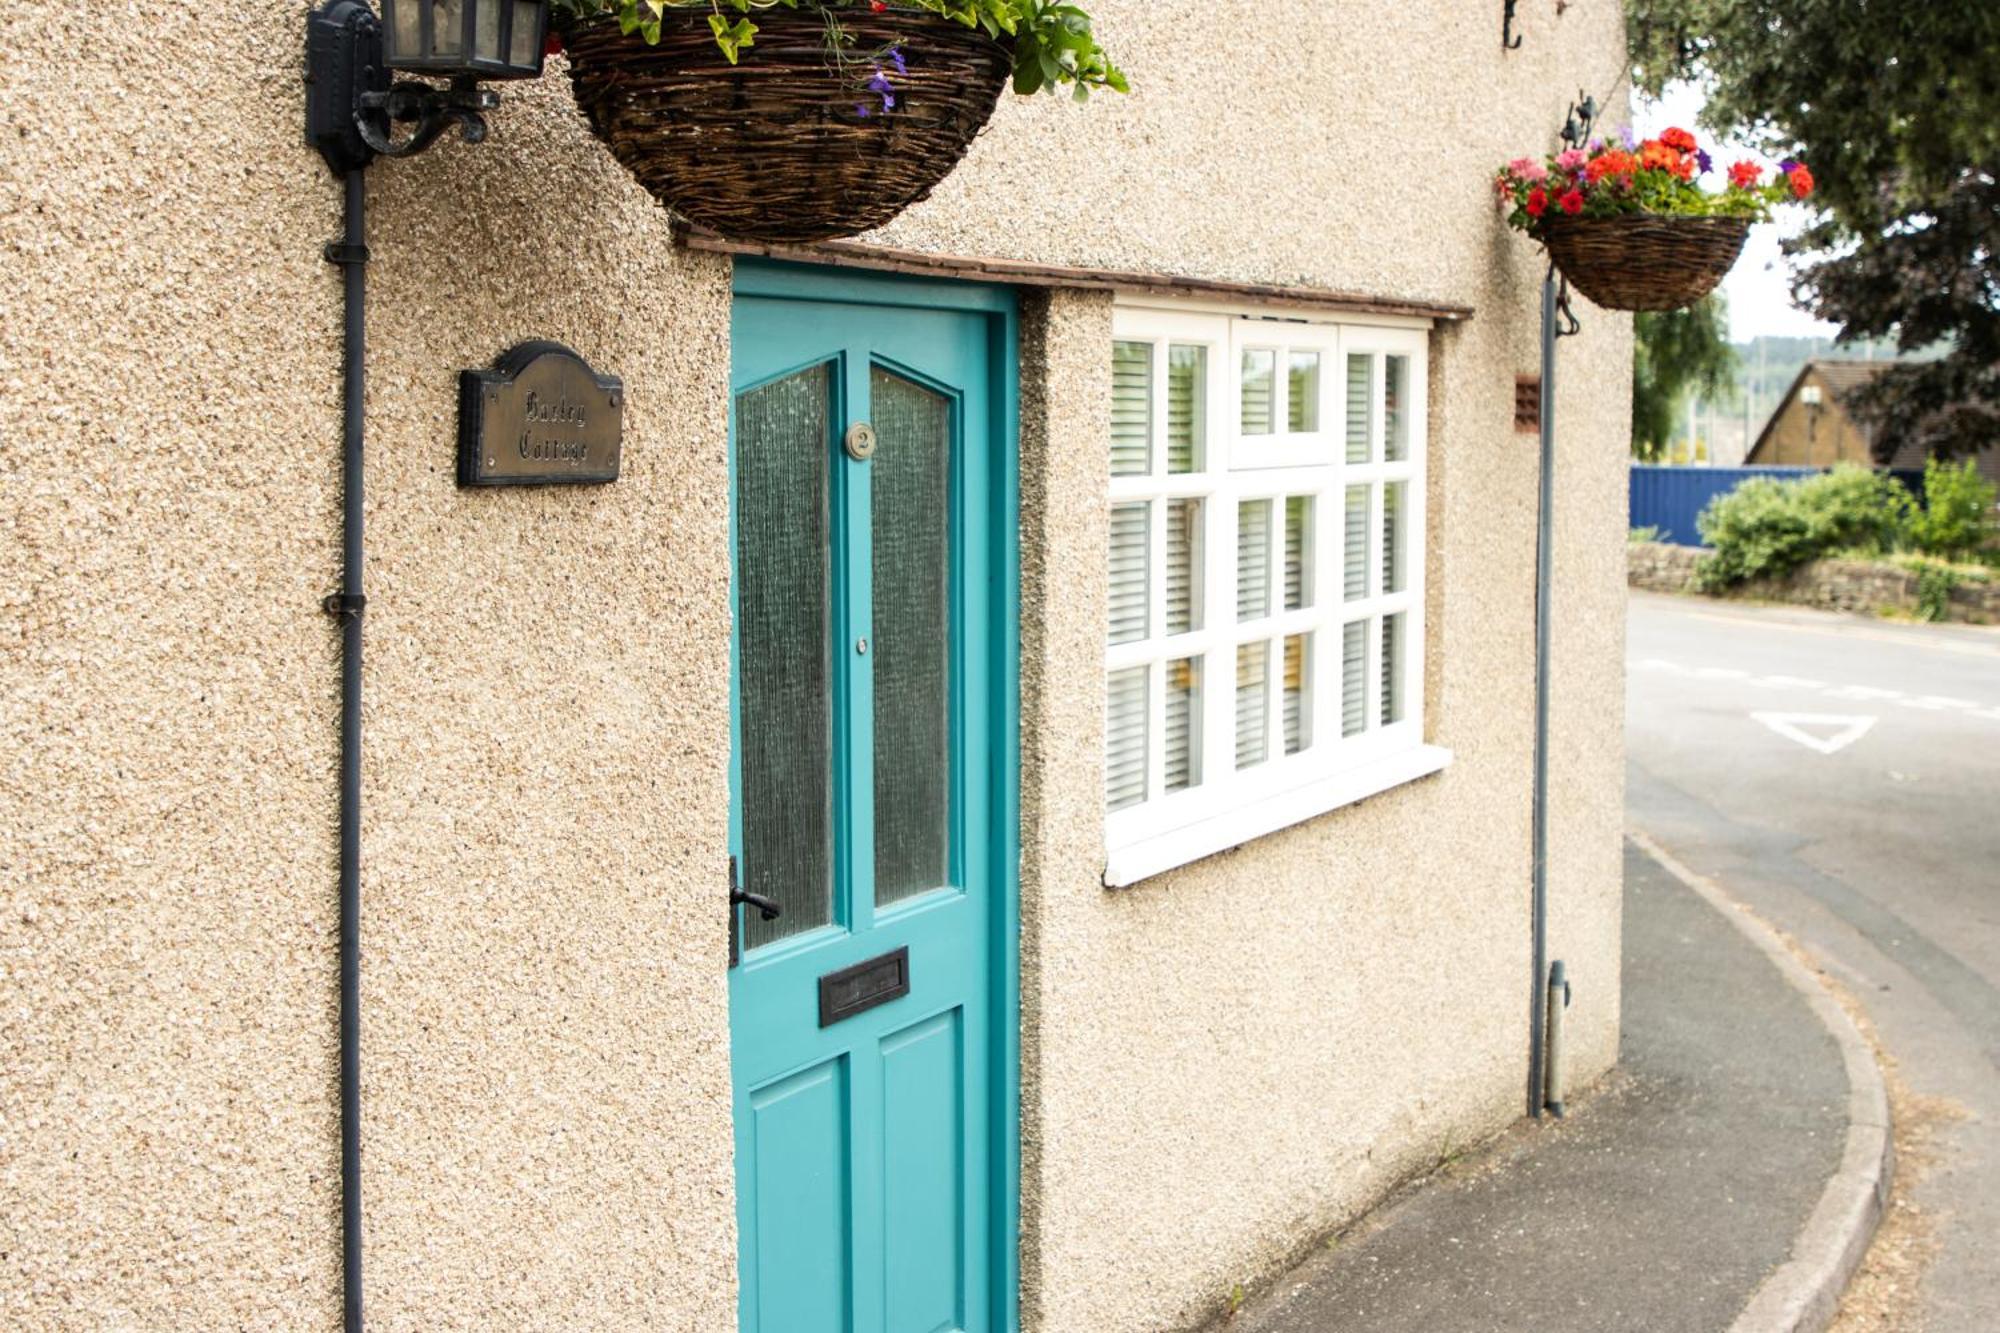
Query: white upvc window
[1265, 654]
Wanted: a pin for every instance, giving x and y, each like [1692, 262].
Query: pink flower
[1528, 169]
[1571, 158]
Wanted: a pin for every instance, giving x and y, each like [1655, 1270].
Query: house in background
[1812, 427]
[1137, 736]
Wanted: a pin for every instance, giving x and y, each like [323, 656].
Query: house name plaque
[541, 416]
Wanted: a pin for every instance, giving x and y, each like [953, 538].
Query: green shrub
[1934, 585]
[1766, 528]
[1641, 536]
[1957, 521]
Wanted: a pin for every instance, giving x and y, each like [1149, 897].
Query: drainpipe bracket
[339, 252]
[344, 605]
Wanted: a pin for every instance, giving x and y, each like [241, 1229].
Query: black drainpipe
[351, 253]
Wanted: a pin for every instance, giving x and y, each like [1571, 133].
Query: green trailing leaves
[1054, 45]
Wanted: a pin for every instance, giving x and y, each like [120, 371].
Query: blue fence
[1669, 498]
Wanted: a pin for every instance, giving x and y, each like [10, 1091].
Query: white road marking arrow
[1846, 730]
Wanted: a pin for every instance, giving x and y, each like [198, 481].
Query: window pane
[1131, 409]
[1298, 551]
[1354, 552]
[1396, 407]
[1392, 536]
[1260, 373]
[783, 665]
[527, 18]
[1302, 403]
[1131, 549]
[1297, 700]
[1253, 702]
[1184, 544]
[1253, 559]
[1183, 723]
[1353, 678]
[1360, 409]
[1392, 668]
[447, 28]
[486, 31]
[911, 643]
[1125, 737]
[1187, 407]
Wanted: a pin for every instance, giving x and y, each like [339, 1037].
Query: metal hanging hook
[1509, 39]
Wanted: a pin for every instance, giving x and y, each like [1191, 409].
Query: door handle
[767, 908]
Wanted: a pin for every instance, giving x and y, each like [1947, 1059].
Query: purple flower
[879, 84]
[1703, 159]
[1596, 147]
[896, 59]
[1630, 139]
[863, 110]
[1788, 166]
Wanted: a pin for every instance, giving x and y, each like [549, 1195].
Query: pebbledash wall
[1219, 1064]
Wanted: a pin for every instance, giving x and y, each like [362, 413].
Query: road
[1842, 775]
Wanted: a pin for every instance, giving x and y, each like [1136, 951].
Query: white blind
[1183, 565]
[1260, 374]
[1396, 380]
[1392, 538]
[1130, 548]
[1253, 559]
[1360, 408]
[1353, 677]
[1298, 521]
[1131, 408]
[1183, 710]
[1296, 720]
[1125, 738]
[1302, 404]
[1187, 399]
[1392, 669]
[1253, 704]
[1354, 556]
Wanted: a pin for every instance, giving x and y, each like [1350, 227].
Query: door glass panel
[784, 667]
[911, 526]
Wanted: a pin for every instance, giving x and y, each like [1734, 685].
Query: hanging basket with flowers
[793, 121]
[1630, 224]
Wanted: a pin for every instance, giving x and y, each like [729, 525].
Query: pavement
[1669, 1198]
[1842, 776]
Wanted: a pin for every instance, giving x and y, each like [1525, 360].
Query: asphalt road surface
[1842, 775]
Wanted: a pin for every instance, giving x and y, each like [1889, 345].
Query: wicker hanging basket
[1642, 262]
[778, 148]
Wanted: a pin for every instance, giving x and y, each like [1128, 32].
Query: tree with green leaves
[1897, 107]
[1675, 352]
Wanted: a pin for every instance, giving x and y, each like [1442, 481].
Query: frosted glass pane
[1125, 737]
[1354, 553]
[1360, 409]
[1298, 547]
[1392, 668]
[1183, 723]
[1260, 375]
[784, 667]
[1131, 543]
[1253, 559]
[527, 21]
[1302, 400]
[1353, 678]
[1131, 409]
[1397, 407]
[1297, 700]
[1187, 407]
[447, 28]
[1253, 702]
[1184, 544]
[486, 31]
[911, 645]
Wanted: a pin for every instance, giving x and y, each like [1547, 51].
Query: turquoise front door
[872, 1019]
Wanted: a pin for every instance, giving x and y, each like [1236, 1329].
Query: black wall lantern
[352, 108]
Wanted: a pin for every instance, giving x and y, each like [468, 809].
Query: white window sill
[1141, 858]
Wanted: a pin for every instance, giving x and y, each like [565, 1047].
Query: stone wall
[1867, 587]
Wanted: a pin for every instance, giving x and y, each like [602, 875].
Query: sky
[1759, 288]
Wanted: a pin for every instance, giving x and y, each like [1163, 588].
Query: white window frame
[1230, 806]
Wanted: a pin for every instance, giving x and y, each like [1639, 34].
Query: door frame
[998, 304]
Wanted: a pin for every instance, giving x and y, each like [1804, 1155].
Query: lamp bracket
[352, 107]
[1509, 39]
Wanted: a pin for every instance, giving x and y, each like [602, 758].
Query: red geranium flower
[1745, 175]
[1802, 181]
[1616, 162]
[1653, 153]
[1679, 138]
[1572, 202]
[1538, 202]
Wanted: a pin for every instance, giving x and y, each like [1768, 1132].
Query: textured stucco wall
[1218, 1064]
[545, 1030]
